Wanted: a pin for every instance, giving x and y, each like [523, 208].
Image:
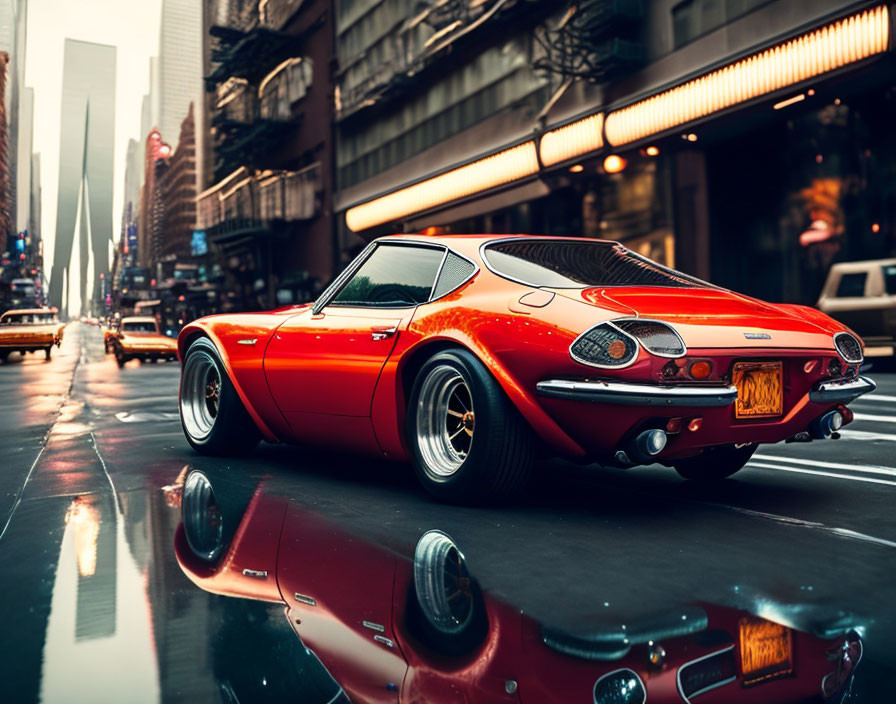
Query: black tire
[229, 430]
[445, 610]
[47, 352]
[212, 508]
[120, 359]
[3, 357]
[498, 461]
[715, 463]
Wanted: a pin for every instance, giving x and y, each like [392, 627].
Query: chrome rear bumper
[841, 391]
[625, 394]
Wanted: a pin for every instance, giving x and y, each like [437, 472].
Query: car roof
[482, 238]
[31, 311]
[139, 319]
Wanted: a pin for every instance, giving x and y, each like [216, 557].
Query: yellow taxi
[139, 337]
[29, 330]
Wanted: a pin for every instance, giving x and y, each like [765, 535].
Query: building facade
[86, 154]
[178, 192]
[179, 65]
[266, 202]
[150, 217]
[743, 141]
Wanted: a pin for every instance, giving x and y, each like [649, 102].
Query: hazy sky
[130, 25]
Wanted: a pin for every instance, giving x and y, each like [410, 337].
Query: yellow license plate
[760, 389]
[766, 650]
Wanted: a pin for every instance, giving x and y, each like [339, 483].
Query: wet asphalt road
[95, 607]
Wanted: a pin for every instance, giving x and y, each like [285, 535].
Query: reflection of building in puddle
[99, 625]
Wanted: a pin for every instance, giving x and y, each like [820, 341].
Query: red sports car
[391, 629]
[468, 354]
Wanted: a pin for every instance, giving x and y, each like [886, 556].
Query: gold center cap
[469, 421]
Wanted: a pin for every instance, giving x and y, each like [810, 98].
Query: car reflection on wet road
[97, 608]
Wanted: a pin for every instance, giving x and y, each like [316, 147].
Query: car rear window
[852, 285]
[890, 279]
[138, 327]
[575, 264]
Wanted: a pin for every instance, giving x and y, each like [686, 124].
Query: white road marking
[849, 477]
[145, 416]
[869, 468]
[850, 434]
[880, 398]
[799, 522]
[877, 419]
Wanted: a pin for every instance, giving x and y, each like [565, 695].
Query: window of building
[890, 280]
[393, 276]
[852, 285]
[693, 18]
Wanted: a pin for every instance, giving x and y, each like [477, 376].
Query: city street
[806, 533]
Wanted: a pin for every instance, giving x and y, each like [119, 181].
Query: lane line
[879, 398]
[875, 418]
[819, 473]
[869, 468]
[800, 523]
[849, 434]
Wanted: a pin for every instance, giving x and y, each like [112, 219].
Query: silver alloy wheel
[200, 394]
[443, 584]
[445, 421]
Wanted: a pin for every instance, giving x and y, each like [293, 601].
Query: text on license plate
[766, 650]
[760, 389]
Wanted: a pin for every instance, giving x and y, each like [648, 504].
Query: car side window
[890, 280]
[852, 285]
[393, 276]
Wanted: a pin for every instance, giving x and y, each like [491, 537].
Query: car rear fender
[394, 387]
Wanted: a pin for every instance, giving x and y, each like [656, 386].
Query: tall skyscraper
[86, 151]
[23, 167]
[180, 64]
[13, 29]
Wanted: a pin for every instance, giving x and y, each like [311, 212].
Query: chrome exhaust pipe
[647, 445]
[827, 425]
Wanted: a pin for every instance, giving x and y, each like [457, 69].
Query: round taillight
[701, 370]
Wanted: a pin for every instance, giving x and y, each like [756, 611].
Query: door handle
[383, 333]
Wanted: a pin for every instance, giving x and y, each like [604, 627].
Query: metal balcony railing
[260, 198]
[273, 14]
[283, 87]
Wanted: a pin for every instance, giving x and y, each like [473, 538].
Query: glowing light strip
[835, 45]
[492, 171]
[572, 140]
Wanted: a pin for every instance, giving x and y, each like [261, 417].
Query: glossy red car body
[341, 376]
[347, 599]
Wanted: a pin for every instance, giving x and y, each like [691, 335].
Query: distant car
[394, 628]
[109, 333]
[862, 295]
[29, 330]
[468, 354]
[140, 338]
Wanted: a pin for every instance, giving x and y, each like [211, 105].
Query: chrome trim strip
[694, 662]
[247, 341]
[624, 394]
[373, 626]
[843, 391]
[337, 283]
[606, 366]
[610, 674]
[843, 356]
[258, 574]
[308, 600]
[385, 641]
[664, 324]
